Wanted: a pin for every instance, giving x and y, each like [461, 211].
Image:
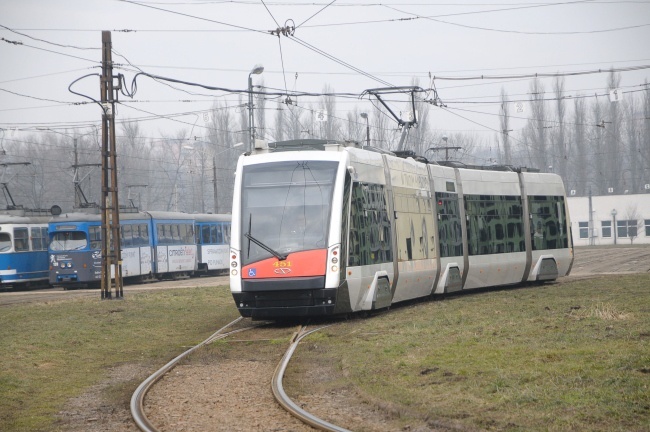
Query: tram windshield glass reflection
[286, 207]
[68, 241]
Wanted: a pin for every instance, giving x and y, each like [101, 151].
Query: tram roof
[322, 145]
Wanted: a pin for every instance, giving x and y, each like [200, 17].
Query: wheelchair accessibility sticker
[252, 272]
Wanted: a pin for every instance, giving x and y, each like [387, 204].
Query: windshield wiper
[265, 247]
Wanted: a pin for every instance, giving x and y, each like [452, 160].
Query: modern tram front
[285, 246]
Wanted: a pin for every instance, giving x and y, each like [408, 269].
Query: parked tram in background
[23, 251]
[213, 242]
[323, 227]
[155, 245]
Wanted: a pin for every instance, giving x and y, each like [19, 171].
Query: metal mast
[111, 245]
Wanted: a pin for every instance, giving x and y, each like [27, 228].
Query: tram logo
[282, 270]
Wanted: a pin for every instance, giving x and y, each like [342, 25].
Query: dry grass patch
[603, 311]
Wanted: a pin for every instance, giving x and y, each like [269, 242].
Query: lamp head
[257, 70]
[364, 115]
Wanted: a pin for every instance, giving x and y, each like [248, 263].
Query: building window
[647, 227]
[584, 229]
[626, 228]
[606, 227]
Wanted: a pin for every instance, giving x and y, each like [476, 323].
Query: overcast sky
[217, 43]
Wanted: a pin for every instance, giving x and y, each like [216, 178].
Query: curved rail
[137, 400]
[285, 401]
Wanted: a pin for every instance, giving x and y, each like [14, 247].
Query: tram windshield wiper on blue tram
[273, 252]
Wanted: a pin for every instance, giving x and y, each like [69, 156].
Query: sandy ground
[234, 394]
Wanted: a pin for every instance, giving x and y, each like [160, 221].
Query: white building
[616, 219]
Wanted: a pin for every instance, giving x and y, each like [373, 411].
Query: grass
[54, 351]
[570, 356]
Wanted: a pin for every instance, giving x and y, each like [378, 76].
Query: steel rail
[137, 400]
[284, 400]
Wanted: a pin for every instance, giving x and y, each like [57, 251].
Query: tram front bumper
[276, 298]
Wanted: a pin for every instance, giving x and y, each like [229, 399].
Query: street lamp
[365, 116]
[251, 118]
[614, 227]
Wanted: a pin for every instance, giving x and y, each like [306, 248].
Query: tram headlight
[62, 265]
[69, 265]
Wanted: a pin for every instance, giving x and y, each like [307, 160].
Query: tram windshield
[285, 208]
[69, 241]
[5, 242]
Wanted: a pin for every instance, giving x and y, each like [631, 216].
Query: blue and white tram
[23, 250]
[213, 242]
[322, 227]
[154, 245]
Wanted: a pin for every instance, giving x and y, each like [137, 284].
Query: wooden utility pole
[111, 245]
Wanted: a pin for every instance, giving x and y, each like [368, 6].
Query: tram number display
[279, 264]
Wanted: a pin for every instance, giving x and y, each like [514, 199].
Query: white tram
[323, 227]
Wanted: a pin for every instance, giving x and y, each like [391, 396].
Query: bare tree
[634, 222]
[134, 170]
[598, 151]
[644, 145]
[560, 151]
[580, 157]
[279, 122]
[538, 125]
[221, 140]
[260, 113]
[330, 129]
[632, 136]
[614, 149]
[354, 128]
[505, 128]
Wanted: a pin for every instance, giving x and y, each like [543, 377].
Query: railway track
[137, 400]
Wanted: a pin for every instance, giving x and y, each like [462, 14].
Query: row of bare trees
[593, 143]
[598, 143]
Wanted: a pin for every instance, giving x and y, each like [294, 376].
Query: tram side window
[140, 235]
[219, 234]
[39, 238]
[164, 231]
[494, 224]
[450, 232]
[370, 226]
[226, 233]
[205, 234]
[127, 236]
[414, 224]
[175, 234]
[548, 222]
[21, 239]
[186, 233]
[144, 232]
[5, 242]
[95, 233]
